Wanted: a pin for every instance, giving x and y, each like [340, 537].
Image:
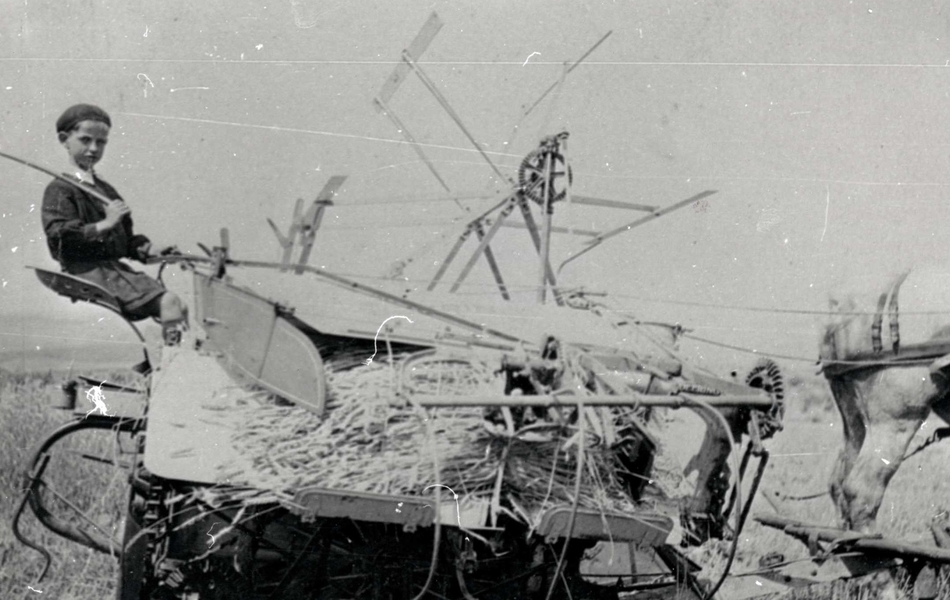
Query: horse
[885, 381]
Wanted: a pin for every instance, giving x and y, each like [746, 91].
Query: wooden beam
[453, 252]
[532, 227]
[482, 245]
[590, 201]
[384, 109]
[492, 263]
[419, 44]
[593, 243]
[555, 229]
[310, 223]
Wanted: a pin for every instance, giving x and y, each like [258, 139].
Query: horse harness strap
[892, 312]
[927, 353]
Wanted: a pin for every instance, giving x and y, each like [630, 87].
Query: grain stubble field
[802, 457]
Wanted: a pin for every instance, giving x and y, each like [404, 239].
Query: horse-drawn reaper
[277, 456]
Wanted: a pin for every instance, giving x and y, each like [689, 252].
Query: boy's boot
[173, 330]
[171, 333]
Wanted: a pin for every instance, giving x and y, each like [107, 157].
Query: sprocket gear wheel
[534, 179]
[767, 376]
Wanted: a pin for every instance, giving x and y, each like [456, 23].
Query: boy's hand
[115, 211]
[145, 251]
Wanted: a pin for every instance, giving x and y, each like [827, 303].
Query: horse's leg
[896, 401]
[854, 430]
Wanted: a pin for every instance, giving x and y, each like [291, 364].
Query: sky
[822, 127]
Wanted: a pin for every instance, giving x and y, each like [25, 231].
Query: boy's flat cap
[81, 112]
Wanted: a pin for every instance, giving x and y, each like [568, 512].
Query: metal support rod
[763, 462]
[862, 544]
[547, 210]
[113, 542]
[625, 399]
[351, 285]
[742, 467]
[536, 240]
[545, 253]
[32, 480]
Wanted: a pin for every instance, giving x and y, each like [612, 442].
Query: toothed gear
[767, 376]
[533, 169]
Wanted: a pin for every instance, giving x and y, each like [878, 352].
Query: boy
[89, 238]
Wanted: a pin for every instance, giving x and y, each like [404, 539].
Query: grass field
[802, 457]
[76, 573]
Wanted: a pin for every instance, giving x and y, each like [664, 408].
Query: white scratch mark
[458, 511]
[529, 57]
[199, 87]
[10, 87]
[211, 543]
[145, 83]
[885, 461]
[32, 589]
[95, 395]
[146, 32]
[259, 46]
[801, 112]
[14, 249]
[827, 204]
[376, 338]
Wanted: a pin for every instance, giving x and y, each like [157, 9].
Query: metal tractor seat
[77, 289]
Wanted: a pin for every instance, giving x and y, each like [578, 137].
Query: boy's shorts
[135, 291]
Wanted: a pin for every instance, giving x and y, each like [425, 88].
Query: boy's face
[86, 143]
